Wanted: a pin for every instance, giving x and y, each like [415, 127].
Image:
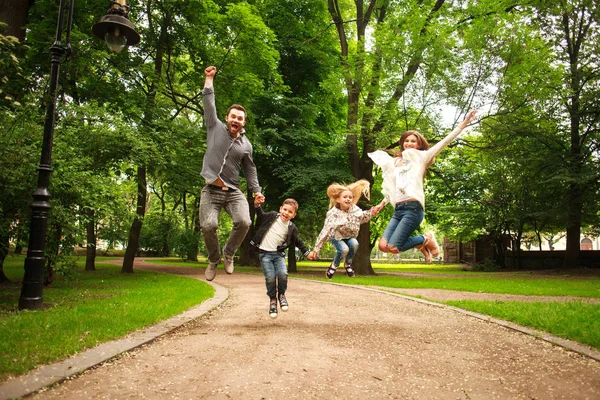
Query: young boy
[276, 232]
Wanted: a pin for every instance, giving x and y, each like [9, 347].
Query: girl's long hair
[422, 140]
[358, 188]
[423, 145]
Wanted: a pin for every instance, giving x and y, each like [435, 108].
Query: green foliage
[486, 266]
[12, 76]
[525, 168]
[66, 267]
[186, 245]
[159, 232]
[282, 59]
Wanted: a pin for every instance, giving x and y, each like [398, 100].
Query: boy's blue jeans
[345, 250]
[275, 271]
[407, 218]
[235, 204]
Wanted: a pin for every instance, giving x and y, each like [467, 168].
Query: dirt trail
[336, 342]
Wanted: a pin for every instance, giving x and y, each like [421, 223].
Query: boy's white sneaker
[283, 302]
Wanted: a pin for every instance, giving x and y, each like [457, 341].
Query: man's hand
[210, 75]
[312, 256]
[258, 200]
[210, 71]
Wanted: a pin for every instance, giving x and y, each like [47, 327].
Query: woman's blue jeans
[345, 250]
[275, 271]
[407, 218]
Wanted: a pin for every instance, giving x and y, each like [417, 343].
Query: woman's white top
[403, 176]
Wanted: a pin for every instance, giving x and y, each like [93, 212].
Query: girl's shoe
[330, 271]
[349, 270]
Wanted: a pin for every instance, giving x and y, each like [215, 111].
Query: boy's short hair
[292, 203]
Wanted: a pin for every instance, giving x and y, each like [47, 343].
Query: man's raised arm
[208, 95]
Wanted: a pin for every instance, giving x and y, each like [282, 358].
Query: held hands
[312, 256]
[375, 210]
[258, 199]
[468, 119]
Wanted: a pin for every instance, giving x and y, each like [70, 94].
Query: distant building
[586, 243]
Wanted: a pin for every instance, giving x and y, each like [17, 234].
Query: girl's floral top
[342, 224]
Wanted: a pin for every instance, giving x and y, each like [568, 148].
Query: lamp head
[116, 29]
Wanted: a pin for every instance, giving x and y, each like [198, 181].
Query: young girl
[343, 222]
[403, 186]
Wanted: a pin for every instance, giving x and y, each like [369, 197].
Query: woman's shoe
[423, 249]
[431, 244]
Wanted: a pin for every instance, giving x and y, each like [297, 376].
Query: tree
[393, 56]
[17, 145]
[574, 29]
[14, 14]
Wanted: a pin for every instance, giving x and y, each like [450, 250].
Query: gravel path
[336, 342]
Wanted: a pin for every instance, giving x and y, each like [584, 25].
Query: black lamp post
[113, 25]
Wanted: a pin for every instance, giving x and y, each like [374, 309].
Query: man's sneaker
[228, 263]
[211, 271]
[273, 309]
[283, 302]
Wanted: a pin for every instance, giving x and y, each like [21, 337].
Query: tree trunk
[362, 260]
[90, 254]
[292, 266]
[572, 252]
[166, 247]
[147, 121]
[53, 246]
[14, 14]
[136, 228]
[247, 252]
[19, 237]
[193, 256]
[574, 36]
[3, 253]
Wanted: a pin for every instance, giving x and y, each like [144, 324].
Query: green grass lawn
[105, 304]
[93, 308]
[572, 320]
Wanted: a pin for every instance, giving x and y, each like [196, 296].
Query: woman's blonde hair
[357, 188]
